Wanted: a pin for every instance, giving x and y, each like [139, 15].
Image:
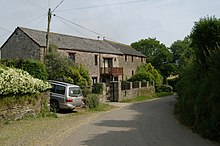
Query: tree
[63, 69]
[206, 40]
[147, 47]
[182, 53]
[157, 54]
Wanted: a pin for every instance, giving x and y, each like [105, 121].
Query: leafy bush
[198, 103]
[35, 68]
[97, 88]
[147, 72]
[92, 101]
[16, 81]
[165, 88]
[173, 82]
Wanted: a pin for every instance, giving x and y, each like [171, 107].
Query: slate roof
[126, 49]
[71, 42]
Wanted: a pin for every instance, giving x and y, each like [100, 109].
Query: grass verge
[146, 97]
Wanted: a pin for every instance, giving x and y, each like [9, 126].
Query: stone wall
[127, 94]
[17, 107]
[117, 94]
[20, 46]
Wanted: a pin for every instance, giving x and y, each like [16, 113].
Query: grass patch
[139, 98]
[102, 107]
[146, 97]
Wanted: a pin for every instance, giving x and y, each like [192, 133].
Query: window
[58, 89]
[126, 58]
[132, 58]
[96, 59]
[132, 72]
[94, 80]
[74, 92]
[142, 59]
[71, 56]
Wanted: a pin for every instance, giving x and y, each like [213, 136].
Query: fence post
[139, 82]
[115, 90]
[130, 85]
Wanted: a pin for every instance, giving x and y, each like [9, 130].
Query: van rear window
[75, 91]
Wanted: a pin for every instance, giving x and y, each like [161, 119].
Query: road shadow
[148, 126]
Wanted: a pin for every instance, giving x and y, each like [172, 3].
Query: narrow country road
[142, 124]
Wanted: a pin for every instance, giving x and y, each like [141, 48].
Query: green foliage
[146, 72]
[97, 88]
[92, 101]
[182, 53]
[35, 68]
[157, 54]
[205, 40]
[173, 82]
[62, 69]
[198, 103]
[165, 88]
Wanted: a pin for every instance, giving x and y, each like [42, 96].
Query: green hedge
[92, 101]
[35, 68]
[97, 88]
[164, 88]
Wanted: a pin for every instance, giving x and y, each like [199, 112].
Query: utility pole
[48, 31]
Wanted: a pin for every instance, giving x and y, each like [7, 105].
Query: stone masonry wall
[129, 65]
[15, 108]
[20, 46]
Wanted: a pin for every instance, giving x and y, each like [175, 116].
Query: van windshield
[75, 91]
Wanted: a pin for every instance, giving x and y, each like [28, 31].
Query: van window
[75, 92]
[57, 89]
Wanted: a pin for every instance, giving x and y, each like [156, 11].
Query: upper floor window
[96, 59]
[126, 58]
[72, 56]
[142, 59]
[132, 58]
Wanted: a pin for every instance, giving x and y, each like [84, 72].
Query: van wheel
[54, 106]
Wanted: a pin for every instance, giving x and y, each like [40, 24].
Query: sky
[124, 21]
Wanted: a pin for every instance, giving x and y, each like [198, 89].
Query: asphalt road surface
[142, 124]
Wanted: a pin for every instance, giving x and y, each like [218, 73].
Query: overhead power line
[70, 26]
[5, 29]
[83, 27]
[104, 5]
[34, 19]
[36, 5]
[57, 5]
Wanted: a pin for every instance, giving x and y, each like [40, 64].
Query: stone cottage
[105, 60]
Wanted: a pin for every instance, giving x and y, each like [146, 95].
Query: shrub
[16, 81]
[165, 88]
[173, 82]
[92, 101]
[97, 88]
[35, 68]
[63, 69]
[146, 72]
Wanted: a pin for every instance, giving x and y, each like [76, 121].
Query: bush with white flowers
[16, 81]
